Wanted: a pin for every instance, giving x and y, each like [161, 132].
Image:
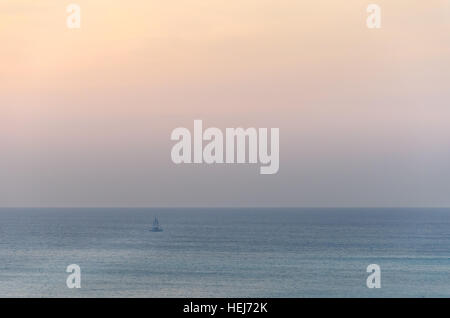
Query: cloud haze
[86, 115]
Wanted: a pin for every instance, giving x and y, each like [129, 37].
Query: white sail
[156, 227]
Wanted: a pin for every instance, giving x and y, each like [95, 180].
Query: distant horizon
[226, 207]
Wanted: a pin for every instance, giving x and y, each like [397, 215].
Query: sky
[86, 114]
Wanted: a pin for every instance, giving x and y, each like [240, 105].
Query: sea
[225, 252]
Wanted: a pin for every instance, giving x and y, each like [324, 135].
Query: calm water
[225, 252]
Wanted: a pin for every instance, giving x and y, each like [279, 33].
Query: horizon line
[224, 207]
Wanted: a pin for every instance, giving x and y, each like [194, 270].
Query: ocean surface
[225, 252]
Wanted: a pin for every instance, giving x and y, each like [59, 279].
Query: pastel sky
[86, 115]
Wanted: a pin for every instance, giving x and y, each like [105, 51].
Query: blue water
[225, 252]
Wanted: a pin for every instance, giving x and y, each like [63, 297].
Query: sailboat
[156, 227]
